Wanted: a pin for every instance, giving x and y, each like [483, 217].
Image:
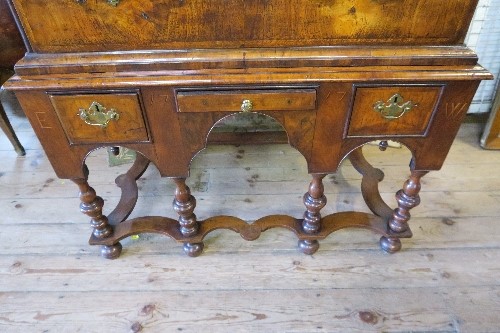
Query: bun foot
[308, 246]
[112, 251]
[390, 244]
[193, 249]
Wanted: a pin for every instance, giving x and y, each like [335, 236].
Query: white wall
[484, 38]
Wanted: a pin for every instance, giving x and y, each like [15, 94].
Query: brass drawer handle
[393, 110]
[97, 115]
[246, 105]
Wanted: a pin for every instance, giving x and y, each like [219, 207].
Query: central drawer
[252, 100]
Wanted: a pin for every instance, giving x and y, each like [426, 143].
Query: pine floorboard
[446, 278]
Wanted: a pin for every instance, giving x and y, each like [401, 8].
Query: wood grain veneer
[317, 67]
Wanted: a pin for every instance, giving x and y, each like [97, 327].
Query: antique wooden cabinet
[156, 75]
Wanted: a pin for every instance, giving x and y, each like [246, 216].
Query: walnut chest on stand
[155, 76]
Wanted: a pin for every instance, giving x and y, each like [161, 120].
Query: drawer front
[246, 100]
[103, 118]
[393, 110]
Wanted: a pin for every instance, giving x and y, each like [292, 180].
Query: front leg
[184, 204]
[91, 205]
[407, 198]
[314, 200]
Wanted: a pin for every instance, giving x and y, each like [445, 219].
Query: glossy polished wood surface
[334, 74]
[129, 126]
[73, 26]
[232, 100]
[366, 121]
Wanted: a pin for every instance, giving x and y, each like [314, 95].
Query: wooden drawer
[394, 110]
[102, 117]
[246, 100]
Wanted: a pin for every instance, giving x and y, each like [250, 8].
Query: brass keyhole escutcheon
[246, 105]
[98, 115]
[394, 108]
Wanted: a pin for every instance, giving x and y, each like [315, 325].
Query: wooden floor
[446, 279]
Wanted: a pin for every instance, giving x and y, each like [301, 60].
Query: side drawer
[393, 110]
[101, 117]
[246, 100]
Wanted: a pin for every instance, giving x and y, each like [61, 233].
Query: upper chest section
[114, 25]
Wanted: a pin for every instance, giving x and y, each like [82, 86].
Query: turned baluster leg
[407, 198]
[91, 205]
[184, 204]
[314, 200]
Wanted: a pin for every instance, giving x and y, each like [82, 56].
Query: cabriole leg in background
[407, 198]
[9, 132]
[91, 205]
[314, 200]
[184, 204]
